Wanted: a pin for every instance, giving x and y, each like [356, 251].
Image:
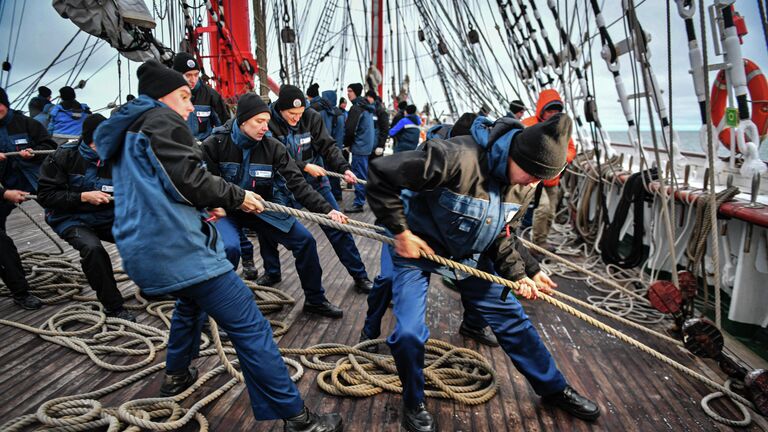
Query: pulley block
[702, 338]
[665, 297]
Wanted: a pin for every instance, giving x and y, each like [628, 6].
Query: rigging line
[82, 66]
[354, 39]
[614, 21]
[763, 20]
[418, 65]
[102, 67]
[77, 61]
[18, 33]
[99, 41]
[33, 85]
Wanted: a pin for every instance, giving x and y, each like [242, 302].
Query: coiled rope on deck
[513, 285]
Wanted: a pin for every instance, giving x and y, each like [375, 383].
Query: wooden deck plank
[635, 391]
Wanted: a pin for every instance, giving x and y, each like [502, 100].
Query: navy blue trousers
[231, 304]
[298, 240]
[11, 270]
[246, 247]
[510, 324]
[381, 295]
[342, 242]
[360, 169]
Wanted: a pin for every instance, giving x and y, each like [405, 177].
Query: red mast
[232, 61]
[377, 37]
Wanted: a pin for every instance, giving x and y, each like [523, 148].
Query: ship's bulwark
[635, 392]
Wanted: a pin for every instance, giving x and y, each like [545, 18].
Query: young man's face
[519, 115]
[179, 100]
[293, 115]
[549, 113]
[351, 94]
[518, 176]
[257, 126]
[3, 111]
[192, 77]
[343, 105]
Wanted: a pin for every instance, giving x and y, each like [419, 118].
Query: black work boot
[354, 209]
[250, 272]
[325, 308]
[175, 384]
[307, 421]
[484, 335]
[363, 285]
[268, 279]
[121, 313]
[418, 419]
[373, 349]
[28, 302]
[575, 404]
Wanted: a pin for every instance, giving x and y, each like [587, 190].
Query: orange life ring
[758, 93]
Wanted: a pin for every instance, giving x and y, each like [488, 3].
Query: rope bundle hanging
[635, 195]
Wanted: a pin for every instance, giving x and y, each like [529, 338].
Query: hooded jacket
[333, 116]
[407, 132]
[161, 190]
[67, 118]
[456, 195]
[359, 132]
[19, 132]
[263, 167]
[545, 98]
[73, 169]
[442, 131]
[308, 142]
[210, 111]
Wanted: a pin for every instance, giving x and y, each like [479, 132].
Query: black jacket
[270, 167]
[456, 201]
[381, 124]
[308, 141]
[205, 95]
[19, 132]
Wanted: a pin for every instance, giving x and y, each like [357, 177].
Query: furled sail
[126, 24]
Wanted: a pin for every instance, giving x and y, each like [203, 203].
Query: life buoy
[758, 93]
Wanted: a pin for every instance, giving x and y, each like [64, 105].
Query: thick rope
[512, 285]
[341, 176]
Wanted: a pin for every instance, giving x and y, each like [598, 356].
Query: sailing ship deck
[635, 392]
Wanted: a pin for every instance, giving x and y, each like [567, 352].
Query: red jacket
[547, 96]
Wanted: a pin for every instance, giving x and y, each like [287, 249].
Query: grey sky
[44, 33]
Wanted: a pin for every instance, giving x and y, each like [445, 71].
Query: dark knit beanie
[402, 105]
[541, 150]
[290, 97]
[184, 62]
[4, 98]
[44, 92]
[67, 93]
[371, 94]
[156, 80]
[249, 105]
[313, 90]
[516, 106]
[357, 89]
[342, 100]
[89, 126]
[410, 109]
[463, 124]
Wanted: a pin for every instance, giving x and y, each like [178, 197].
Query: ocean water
[689, 141]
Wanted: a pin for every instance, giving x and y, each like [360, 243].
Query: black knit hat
[249, 105]
[357, 88]
[516, 106]
[89, 126]
[184, 62]
[67, 93]
[4, 98]
[463, 124]
[290, 97]
[541, 150]
[402, 105]
[156, 80]
[313, 90]
[371, 94]
[410, 109]
[44, 91]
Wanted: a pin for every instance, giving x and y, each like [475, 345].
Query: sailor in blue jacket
[460, 199]
[210, 109]
[168, 246]
[407, 130]
[18, 179]
[240, 152]
[68, 116]
[75, 188]
[360, 139]
[334, 119]
[305, 137]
